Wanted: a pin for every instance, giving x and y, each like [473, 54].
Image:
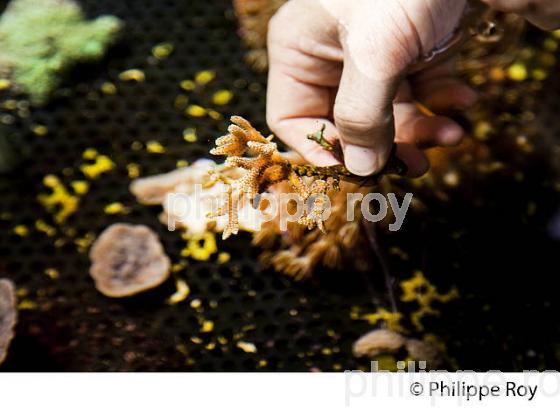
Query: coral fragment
[128, 259]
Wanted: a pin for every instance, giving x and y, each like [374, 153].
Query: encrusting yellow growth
[207, 326]
[116, 208]
[189, 135]
[80, 187]
[200, 247]
[247, 347]
[101, 164]
[419, 289]
[181, 293]
[155, 147]
[60, 200]
[196, 111]
[391, 320]
[222, 97]
[21, 230]
[52, 273]
[83, 243]
[44, 227]
[162, 50]
[265, 167]
[133, 74]
[204, 77]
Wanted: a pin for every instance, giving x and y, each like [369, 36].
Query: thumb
[363, 114]
[380, 41]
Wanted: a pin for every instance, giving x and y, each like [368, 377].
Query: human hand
[344, 64]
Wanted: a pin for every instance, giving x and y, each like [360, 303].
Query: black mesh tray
[503, 265]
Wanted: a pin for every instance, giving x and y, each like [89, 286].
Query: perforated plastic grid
[502, 264]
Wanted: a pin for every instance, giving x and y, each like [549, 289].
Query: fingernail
[360, 161]
[451, 135]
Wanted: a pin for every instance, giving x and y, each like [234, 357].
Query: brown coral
[8, 316]
[341, 244]
[128, 259]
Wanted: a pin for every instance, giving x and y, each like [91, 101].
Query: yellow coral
[247, 347]
[60, 200]
[52, 273]
[101, 164]
[80, 187]
[44, 227]
[181, 293]
[196, 111]
[133, 74]
[222, 97]
[204, 77]
[207, 326]
[419, 289]
[200, 247]
[392, 320]
[116, 208]
[21, 230]
[155, 147]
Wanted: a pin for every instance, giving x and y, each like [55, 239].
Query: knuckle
[355, 122]
[351, 121]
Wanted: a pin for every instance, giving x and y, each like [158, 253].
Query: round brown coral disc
[378, 342]
[128, 259]
[8, 316]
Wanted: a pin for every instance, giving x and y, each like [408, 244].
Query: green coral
[41, 39]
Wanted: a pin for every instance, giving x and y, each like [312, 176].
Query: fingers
[379, 44]
[294, 133]
[363, 109]
[414, 158]
[542, 13]
[426, 132]
[375, 61]
[446, 95]
[415, 131]
[304, 71]
[296, 108]
[440, 89]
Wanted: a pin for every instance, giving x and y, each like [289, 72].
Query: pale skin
[346, 63]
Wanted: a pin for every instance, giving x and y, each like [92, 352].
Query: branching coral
[265, 167]
[199, 192]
